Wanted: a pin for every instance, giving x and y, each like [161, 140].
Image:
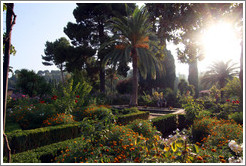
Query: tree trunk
[241, 78]
[193, 76]
[134, 98]
[9, 24]
[241, 67]
[101, 56]
[62, 74]
[102, 78]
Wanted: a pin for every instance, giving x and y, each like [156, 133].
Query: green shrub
[31, 116]
[204, 113]
[192, 108]
[58, 119]
[127, 111]
[125, 119]
[201, 128]
[237, 117]
[166, 124]
[124, 86]
[20, 141]
[143, 127]
[219, 133]
[71, 96]
[44, 154]
[121, 145]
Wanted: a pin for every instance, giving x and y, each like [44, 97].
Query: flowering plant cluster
[217, 144]
[59, 118]
[30, 116]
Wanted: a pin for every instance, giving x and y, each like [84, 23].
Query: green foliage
[20, 141]
[204, 113]
[237, 117]
[192, 108]
[32, 84]
[124, 86]
[218, 133]
[166, 124]
[233, 88]
[143, 127]
[126, 111]
[219, 73]
[71, 96]
[57, 119]
[125, 119]
[44, 154]
[31, 116]
[201, 128]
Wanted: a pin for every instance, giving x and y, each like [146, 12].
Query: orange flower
[223, 160]
[199, 158]
[213, 150]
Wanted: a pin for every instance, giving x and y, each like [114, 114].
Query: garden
[71, 115]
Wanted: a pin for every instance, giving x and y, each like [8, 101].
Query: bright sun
[220, 43]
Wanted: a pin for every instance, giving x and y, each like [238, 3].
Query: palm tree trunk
[134, 97]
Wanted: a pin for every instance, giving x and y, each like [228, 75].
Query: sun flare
[220, 42]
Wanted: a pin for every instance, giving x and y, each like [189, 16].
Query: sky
[37, 23]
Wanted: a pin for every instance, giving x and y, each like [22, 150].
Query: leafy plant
[72, 95]
[57, 119]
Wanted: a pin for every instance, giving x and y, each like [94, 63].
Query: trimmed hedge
[45, 154]
[166, 124]
[20, 141]
[125, 119]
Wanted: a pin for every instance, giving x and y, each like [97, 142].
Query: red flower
[233, 102]
[77, 96]
[237, 101]
[42, 101]
[76, 101]
[54, 97]
[228, 100]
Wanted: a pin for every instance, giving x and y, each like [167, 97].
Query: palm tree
[134, 41]
[219, 73]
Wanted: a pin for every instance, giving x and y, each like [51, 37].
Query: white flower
[235, 147]
[140, 124]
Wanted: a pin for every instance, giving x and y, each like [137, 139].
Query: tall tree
[219, 73]
[10, 21]
[90, 31]
[55, 53]
[163, 80]
[133, 39]
[190, 19]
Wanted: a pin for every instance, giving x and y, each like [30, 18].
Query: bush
[237, 117]
[71, 96]
[125, 119]
[121, 144]
[127, 111]
[57, 119]
[31, 116]
[215, 147]
[44, 154]
[204, 113]
[20, 141]
[124, 86]
[166, 124]
[192, 108]
[201, 128]
[143, 127]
